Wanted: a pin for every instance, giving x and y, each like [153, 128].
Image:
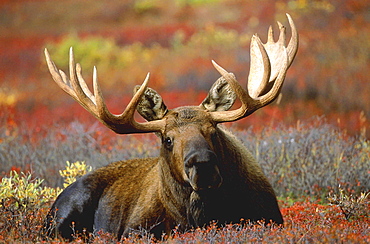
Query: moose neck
[174, 196]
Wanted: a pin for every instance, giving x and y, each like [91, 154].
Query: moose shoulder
[203, 172]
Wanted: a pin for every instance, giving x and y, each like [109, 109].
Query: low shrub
[45, 150]
[73, 171]
[310, 159]
[352, 206]
[24, 201]
[23, 205]
[306, 160]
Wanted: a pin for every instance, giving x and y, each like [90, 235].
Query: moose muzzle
[201, 168]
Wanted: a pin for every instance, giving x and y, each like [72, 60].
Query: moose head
[203, 172]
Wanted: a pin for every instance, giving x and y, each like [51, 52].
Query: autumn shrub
[23, 205]
[311, 158]
[45, 150]
[305, 222]
[24, 200]
[73, 171]
[308, 221]
[353, 206]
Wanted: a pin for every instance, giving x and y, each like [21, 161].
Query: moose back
[203, 172]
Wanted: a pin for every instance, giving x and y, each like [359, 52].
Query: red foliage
[307, 220]
[21, 54]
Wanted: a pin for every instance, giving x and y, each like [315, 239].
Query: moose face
[188, 148]
[189, 135]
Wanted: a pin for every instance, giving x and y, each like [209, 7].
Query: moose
[203, 172]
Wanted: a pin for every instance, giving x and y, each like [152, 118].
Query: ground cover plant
[176, 41]
[320, 174]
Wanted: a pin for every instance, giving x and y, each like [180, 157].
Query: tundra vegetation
[318, 166]
[323, 202]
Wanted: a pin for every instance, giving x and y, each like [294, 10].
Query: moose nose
[202, 170]
[200, 157]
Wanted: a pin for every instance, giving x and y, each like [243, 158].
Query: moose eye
[168, 142]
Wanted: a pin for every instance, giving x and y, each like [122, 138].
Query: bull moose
[203, 173]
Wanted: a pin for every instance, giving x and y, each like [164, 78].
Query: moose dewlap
[203, 172]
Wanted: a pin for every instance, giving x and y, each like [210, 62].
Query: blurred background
[176, 41]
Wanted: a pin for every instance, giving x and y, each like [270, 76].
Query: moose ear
[151, 105]
[220, 98]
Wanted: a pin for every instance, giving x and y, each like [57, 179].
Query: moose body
[148, 193]
[203, 172]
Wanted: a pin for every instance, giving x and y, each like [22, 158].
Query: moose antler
[77, 88]
[269, 64]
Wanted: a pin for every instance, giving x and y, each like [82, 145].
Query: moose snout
[202, 170]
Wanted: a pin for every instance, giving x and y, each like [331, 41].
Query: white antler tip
[221, 70]
[216, 65]
[146, 80]
[47, 55]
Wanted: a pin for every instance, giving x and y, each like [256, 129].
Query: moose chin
[203, 173]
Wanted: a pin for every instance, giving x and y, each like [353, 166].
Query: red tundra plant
[312, 222]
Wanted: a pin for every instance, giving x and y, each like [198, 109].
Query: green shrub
[23, 203]
[24, 191]
[89, 52]
[73, 171]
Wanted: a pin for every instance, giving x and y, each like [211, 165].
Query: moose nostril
[204, 176]
[202, 170]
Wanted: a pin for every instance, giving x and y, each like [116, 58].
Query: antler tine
[102, 109]
[260, 66]
[273, 93]
[58, 76]
[282, 35]
[83, 84]
[248, 103]
[77, 88]
[243, 95]
[294, 41]
[269, 64]
[270, 35]
[83, 99]
[123, 123]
